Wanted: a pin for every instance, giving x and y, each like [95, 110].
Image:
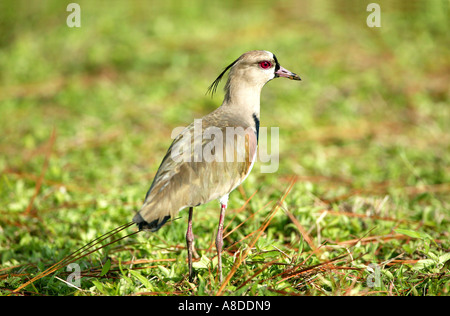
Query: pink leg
[219, 238]
[190, 243]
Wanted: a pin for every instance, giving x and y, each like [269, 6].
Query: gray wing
[198, 168]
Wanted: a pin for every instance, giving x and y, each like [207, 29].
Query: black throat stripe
[256, 120]
[277, 64]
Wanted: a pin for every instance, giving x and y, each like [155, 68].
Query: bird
[215, 154]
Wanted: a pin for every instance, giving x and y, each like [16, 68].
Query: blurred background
[134, 70]
[116, 87]
[86, 113]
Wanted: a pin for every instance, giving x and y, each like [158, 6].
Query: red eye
[265, 64]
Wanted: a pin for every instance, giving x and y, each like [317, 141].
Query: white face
[258, 67]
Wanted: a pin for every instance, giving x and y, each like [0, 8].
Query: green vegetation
[360, 203]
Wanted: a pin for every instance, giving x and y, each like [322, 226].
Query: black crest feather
[213, 87]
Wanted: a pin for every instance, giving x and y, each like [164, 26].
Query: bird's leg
[219, 238]
[190, 243]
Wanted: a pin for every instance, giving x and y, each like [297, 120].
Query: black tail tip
[152, 226]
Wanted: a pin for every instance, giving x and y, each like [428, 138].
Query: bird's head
[256, 68]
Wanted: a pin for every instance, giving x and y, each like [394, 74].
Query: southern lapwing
[215, 154]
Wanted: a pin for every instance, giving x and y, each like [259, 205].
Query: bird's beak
[287, 74]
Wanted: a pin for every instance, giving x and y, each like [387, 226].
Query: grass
[358, 206]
